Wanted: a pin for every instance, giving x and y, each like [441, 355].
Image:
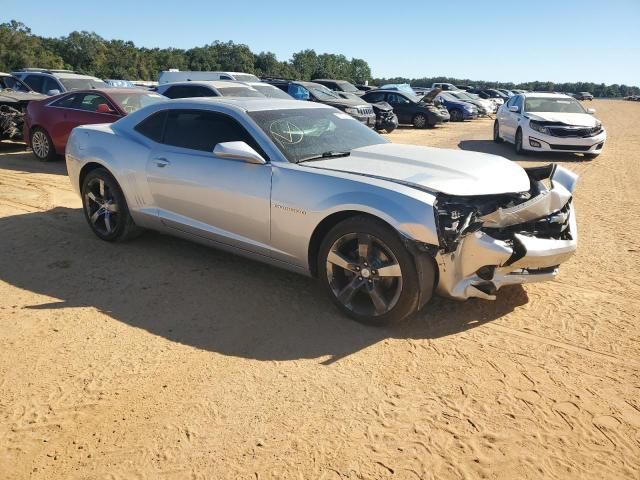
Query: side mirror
[53, 92]
[514, 109]
[238, 151]
[104, 108]
[591, 111]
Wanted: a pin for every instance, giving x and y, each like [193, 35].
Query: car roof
[207, 83]
[249, 104]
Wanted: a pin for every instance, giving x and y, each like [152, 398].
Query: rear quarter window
[153, 126]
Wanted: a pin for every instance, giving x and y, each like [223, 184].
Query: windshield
[323, 94]
[130, 102]
[245, 77]
[548, 104]
[305, 132]
[461, 96]
[82, 83]
[239, 92]
[13, 84]
[272, 92]
[347, 87]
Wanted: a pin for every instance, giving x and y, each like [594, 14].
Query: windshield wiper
[324, 155]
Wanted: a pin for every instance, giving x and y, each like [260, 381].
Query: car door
[199, 193]
[509, 120]
[402, 106]
[57, 120]
[84, 112]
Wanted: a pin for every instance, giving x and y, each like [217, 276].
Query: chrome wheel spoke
[96, 215]
[91, 196]
[391, 270]
[341, 261]
[364, 246]
[378, 301]
[107, 222]
[112, 207]
[101, 184]
[346, 294]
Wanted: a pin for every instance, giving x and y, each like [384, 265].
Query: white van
[172, 76]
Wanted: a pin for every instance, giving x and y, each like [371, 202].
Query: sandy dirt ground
[161, 359]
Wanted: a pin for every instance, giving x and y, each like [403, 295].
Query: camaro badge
[290, 209]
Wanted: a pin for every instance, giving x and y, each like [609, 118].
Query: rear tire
[105, 207]
[42, 146]
[496, 132]
[368, 272]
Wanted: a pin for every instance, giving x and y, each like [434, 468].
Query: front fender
[303, 197]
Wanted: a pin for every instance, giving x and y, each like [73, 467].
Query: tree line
[89, 53]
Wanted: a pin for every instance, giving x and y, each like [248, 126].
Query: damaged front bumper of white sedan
[492, 241]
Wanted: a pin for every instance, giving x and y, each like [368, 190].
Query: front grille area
[577, 148]
[365, 111]
[566, 132]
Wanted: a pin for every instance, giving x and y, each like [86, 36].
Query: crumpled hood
[577, 119]
[13, 95]
[454, 172]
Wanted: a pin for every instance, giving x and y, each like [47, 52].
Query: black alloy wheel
[368, 271]
[105, 207]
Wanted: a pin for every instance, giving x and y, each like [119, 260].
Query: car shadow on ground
[203, 297]
[506, 150]
[15, 156]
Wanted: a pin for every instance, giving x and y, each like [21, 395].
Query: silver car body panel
[270, 211]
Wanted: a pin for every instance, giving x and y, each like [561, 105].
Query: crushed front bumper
[503, 252]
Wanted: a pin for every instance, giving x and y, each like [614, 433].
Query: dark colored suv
[314, 92]
[421, 113]
[339, 86]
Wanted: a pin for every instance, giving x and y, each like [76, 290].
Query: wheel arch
[323, 228]
[88, 168]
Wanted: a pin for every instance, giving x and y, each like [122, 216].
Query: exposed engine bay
[13, 105]
[494, 240]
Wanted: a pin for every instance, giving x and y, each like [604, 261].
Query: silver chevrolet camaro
[305, 187]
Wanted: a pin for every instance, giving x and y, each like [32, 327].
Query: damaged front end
[490, 241]
[13, 106]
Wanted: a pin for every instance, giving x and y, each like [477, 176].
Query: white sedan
[549, 122]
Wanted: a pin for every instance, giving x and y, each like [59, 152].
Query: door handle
[161, 162]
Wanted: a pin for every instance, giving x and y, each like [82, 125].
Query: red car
[49, 122]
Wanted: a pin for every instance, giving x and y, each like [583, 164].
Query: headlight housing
[351, 111]
[538, 127]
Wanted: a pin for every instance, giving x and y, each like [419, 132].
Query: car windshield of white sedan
[239, 92]
[272, 92]
[82, 83]
[130, 102]
[309, 132]
[557, 105]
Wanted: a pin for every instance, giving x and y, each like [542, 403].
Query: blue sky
[498, 40]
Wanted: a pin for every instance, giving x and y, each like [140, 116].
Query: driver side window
[202, 130]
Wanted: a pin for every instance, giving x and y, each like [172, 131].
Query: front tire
[518, 143]
[456, 115]
[420, 121]
[496, 132]
[105, 207]
[368, 272]
[42, 146]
